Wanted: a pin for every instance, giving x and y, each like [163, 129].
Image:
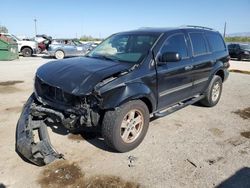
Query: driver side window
[176, 43]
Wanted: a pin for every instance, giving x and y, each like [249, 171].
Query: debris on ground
[131, 160]
[213, 161]
[245, 113]
[192, 163]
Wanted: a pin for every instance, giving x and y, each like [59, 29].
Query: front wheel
[27, 52]
[213, 93]
[125, 127]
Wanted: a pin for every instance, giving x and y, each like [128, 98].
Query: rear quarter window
[198, 43]
[216, 42]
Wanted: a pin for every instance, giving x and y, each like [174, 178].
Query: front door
[174, 78]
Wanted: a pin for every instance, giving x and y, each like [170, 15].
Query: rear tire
[213, 93]
[125, 127]
[27, 52]
[239, 58]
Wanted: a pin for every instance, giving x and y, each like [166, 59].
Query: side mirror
[169, 57]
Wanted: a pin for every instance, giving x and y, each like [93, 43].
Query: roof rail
[198, 27]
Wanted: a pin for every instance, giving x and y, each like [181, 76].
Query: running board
[178, 106]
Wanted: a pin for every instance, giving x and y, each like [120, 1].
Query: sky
[101, 18]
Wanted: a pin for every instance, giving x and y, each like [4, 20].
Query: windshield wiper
[105, 57]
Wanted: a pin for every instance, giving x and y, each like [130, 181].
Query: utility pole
[35, 20]
[225, 28]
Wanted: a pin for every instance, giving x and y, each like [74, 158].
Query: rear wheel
[213, 93]
[124, 128]
[59, 54]
[27, 52]
[239, 58]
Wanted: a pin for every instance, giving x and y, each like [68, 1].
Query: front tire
[125, 127]
[27, 52]
[213, 93]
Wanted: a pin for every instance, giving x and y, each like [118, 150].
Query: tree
[89, 38]
[3, 29]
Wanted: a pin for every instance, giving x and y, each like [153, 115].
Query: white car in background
[26, 48]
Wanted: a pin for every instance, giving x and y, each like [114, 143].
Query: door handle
[190, 67]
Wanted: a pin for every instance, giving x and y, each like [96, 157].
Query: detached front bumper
[40, 152]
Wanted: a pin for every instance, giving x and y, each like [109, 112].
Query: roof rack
[198, 27]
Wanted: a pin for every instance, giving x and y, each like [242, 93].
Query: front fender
[127, 92]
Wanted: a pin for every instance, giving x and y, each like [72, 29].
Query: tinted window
[198, 43]
[216, 42]
[176, 43]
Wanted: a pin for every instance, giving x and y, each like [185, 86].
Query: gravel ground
[194, 147]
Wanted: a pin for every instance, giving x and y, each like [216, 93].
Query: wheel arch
[134, 91]
[27, 47]
[221, 74]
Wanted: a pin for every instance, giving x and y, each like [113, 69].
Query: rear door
[174, 78]
[202, 61]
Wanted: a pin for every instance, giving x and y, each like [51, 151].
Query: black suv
[130, 77]
[239, 51]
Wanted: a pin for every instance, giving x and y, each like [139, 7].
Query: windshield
[245, 46]
[124, 47]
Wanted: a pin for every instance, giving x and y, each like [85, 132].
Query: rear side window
[216, 42]
[176, 43]
[198, 43]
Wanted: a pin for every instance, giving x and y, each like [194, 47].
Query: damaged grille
[51, 93]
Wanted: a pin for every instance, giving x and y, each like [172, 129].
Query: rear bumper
[41, 152]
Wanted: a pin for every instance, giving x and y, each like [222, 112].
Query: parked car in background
[25, 47]
[91, 45]
[60, 48]
[239, 51]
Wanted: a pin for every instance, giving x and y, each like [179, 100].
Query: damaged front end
[41, 152]
[50, 106]
[65, 95]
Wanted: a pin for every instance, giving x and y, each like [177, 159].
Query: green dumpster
[8, 49]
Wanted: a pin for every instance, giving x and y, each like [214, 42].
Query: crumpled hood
[78, 75]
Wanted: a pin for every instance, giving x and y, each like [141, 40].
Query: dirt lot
[194, 147]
